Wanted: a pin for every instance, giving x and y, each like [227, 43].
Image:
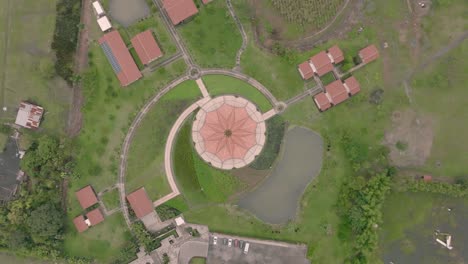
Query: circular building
[229, 132]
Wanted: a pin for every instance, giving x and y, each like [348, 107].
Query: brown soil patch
[416, 132]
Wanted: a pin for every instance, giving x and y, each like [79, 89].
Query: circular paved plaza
[228, 132]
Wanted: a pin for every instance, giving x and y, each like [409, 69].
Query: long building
[180, 10]
[119, 57]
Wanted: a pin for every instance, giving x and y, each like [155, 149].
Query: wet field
[410, 222]
[276, 200]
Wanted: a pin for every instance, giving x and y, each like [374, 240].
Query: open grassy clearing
[198, 260]
[146, 155]
[102, 242]
[29, 67]
[212, 36]
[445, 82]
[199, 182]
[220, 84]
[111, 199]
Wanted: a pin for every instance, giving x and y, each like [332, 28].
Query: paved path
[191, 249]
[269, 114]
[310, 92]
[174, 34]
[202, 87]
[242, 31]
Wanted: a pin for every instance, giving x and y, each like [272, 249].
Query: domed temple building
[229, 132]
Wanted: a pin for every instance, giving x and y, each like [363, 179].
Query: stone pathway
[243, 35]
[202, 87]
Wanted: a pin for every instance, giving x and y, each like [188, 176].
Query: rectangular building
[146, 47]
[305, 70]
[29, 115]
[104, 23]
[180, 10]
[336, 92]
[140, 203]
[321, 63]
[98, 8]
[369, 53]
[86, 197]
[119, 57]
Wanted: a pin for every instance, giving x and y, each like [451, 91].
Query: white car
[230, 242]
[215, 240]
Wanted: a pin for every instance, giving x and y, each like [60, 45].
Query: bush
[454, 190]
[166, 212]
[376, 96]
[276, 128]
[401, 146]
[66, 37]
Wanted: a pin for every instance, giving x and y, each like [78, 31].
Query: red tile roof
[119, 57]
[352, 85]
[427, 178]
[336, 53]
[86, 197]
[179, 10]
[95, 217]
[80, 224]
[322, 63]
[305, 70]
[29, 115]
[369, 54]
[336, 92]
[146, 47]
[140, 203]
[322, 102]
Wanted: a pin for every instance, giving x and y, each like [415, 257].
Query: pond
[9, 167]
[276, 200]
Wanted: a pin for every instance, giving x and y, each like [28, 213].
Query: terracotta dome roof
[228, 132]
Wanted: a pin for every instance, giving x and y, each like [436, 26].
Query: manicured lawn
[146, 156]
[220, 84]
[199, 182]
[102, 242]
[28, 49]
[212, 36]
[198, 260]
[111, 199]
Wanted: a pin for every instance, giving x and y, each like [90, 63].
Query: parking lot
[259, 252]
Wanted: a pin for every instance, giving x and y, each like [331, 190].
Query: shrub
[276, 128]
[167, 212]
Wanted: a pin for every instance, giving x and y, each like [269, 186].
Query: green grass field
[111, 199]
[199, 182]
[220, 84]
[146, 155]
[102, 242]
[212, 36]
[21, 74]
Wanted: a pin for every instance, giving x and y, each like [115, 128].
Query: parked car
[230, 242]
[215, 240]
[236, 243]
[246, 249]
[225, 241]
[241, 244]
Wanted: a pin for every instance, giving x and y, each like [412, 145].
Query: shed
[119, 57]
[335, 54]
[180, 10]
[95, 217]
[98, 8]
[146, 47]
[336, 92]
[86, 197]
[322, 101]
[352, 85]
[305, 70]
[427, 178]
[104, 23]
[369, 53]
[179, 221]
[140, 203]
[80, 223]
[29, 115]
[321, 63]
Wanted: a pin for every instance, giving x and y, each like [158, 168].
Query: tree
[45, 222]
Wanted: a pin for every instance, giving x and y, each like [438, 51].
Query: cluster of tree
[167, 212]
[360, 204]
[66, 37]
[276, 129]
[458, 189]
[32, 224]
[144, 237]
[289, 55]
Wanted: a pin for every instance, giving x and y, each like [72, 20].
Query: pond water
[276, 200]
[9, 167]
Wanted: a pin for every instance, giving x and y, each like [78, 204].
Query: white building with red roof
[29, 115]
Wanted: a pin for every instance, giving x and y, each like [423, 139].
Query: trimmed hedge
[276, 128]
